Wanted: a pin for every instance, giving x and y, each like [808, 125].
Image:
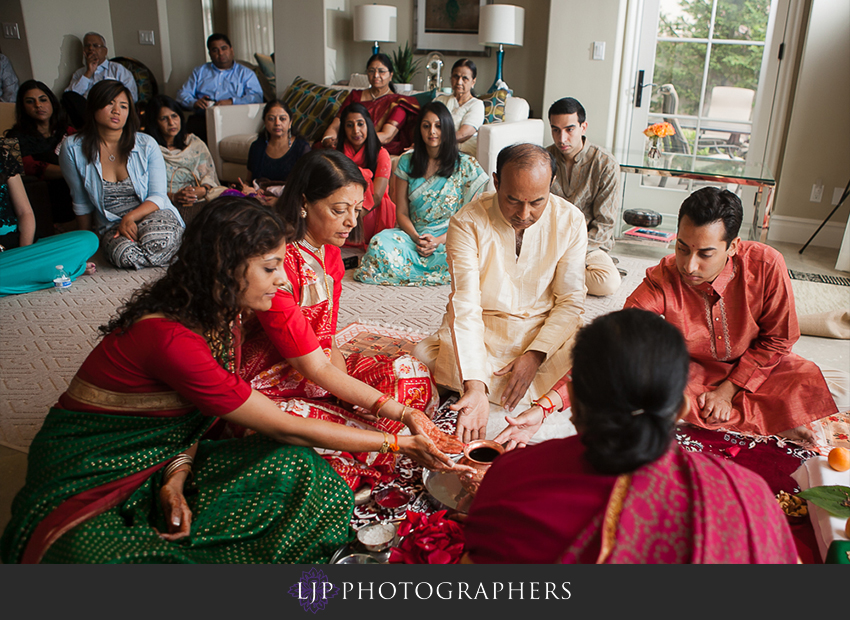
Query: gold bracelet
[386, 445]
[403, 411]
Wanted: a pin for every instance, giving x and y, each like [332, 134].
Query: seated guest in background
[118, 175]
[96, 68]
[220, 82]
[433, 182]
[8, 80]
[189, 166]
[132, 433]
[588, 177]
[392, 114]
[290, 353]
[24, 265]
[517, 270]
[622, 491]
[273, 154]
[40, 126]
[467, 110]
[733, 301]
[359, 142]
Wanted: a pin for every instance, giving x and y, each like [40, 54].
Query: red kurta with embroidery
[741, 327]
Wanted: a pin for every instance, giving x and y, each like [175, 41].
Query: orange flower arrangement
[659, 130]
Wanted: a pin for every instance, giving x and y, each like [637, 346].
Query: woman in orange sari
[290, 352]
[392, 114]
[360, 143]
[622, 491]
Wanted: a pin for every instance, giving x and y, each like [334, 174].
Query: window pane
[741, 19]
[678, 75]
[679, 18]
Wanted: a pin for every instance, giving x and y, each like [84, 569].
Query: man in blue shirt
[220, 82]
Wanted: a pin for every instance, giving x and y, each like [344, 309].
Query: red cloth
[375, 219]
[741, 327]
[400, 109]
[544, 504]
[161, 355]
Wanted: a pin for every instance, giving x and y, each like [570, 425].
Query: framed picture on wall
[447, 26]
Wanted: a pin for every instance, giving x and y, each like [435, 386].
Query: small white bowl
[377, 536]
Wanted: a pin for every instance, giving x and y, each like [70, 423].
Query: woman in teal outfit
[26, 265]
[433, 182]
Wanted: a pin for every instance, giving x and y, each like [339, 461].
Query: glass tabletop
[705, 167]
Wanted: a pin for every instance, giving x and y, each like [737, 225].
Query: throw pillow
[266, 65]
[425, 97]
[494, 106]
[313, 107]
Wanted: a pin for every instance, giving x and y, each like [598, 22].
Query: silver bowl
[357, 558]
[377, 536]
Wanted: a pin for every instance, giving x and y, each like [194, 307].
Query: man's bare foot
[801, 433]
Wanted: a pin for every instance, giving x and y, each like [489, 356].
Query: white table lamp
[500, 24]
[376, 23]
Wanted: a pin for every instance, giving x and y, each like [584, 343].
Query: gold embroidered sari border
[88, 394]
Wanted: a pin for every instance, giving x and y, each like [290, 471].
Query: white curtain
[250, 26]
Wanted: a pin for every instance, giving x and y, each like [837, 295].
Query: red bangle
[376, 407]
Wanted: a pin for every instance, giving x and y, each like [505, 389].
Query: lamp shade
[501, 24]
[375, 22]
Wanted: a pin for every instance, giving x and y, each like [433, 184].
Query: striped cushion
[313, 107]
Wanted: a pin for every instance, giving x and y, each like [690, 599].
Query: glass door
[700, 68]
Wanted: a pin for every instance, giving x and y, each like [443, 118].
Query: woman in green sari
[433, 182]
[132, 464]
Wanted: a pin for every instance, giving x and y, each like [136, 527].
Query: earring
[303, 212]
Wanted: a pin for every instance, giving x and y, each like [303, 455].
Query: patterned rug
[819, 277]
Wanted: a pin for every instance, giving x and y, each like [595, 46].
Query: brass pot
[475, 455]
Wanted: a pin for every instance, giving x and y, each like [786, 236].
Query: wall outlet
[10, 30]
[817, 193]
[836, 195]
[599, 50]
[146, 37]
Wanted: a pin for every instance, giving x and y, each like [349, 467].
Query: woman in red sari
[358, 140]
[290, 353]
[622, 491]
[392, 114]
[108, 474]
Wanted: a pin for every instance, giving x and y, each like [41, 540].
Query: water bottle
[61, 281]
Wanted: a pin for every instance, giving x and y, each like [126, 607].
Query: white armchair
[231, 129]
[516, 127]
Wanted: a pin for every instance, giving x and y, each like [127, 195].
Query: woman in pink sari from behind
[622, 491]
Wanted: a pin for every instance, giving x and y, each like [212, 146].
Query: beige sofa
[232, 129]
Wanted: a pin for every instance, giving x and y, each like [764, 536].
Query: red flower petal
[439, 557]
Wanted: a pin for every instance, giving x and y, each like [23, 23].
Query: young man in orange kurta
[733, 302]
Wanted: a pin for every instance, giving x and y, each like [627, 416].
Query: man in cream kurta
[516, 259]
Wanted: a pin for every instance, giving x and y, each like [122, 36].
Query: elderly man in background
[96, 68]
[516, 259]
[220, 82]
[589, 177]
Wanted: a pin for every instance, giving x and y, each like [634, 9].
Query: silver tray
[446, 491]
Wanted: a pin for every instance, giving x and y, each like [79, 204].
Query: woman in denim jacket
[118, 182]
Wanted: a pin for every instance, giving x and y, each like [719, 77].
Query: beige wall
[570, 70]
[818, 139]
[17, 50]
[321, 41]
[57, 50]
[128, 17]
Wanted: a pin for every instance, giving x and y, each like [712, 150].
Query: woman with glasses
[391, 113]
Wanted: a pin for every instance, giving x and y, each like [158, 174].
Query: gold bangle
[403, 411]
[386, 445]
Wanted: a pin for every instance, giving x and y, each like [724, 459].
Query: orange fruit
[839, 459]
